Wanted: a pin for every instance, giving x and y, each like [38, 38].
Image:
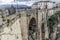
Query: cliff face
[12, 32]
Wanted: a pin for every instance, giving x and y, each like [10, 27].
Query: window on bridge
[43, 31]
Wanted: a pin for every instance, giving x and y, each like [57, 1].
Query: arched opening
[32, 31]
[52, 23]
[43, 31]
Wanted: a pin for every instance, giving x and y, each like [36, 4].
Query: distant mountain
[5, 6]
[17, 6]
[21, 6]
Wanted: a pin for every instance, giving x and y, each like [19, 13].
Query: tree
[53, 19]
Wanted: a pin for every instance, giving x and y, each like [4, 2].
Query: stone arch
[52, 23]
[32, 31]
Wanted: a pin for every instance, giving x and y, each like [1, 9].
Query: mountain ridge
[17, 6]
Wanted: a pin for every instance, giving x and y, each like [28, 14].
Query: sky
[25, 2]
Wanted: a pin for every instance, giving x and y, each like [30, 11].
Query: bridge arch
[52, 23]
[32, 29]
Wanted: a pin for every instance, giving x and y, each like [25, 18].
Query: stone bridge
[25, 24]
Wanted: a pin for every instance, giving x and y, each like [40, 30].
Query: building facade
[43, 4]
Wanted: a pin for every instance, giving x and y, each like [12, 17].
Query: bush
[53, 19]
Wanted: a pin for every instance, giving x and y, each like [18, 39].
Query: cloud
[25, 3]
[21, 2]
[6, 1]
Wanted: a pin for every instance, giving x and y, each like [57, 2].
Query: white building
[58, 5]
[43, 4]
